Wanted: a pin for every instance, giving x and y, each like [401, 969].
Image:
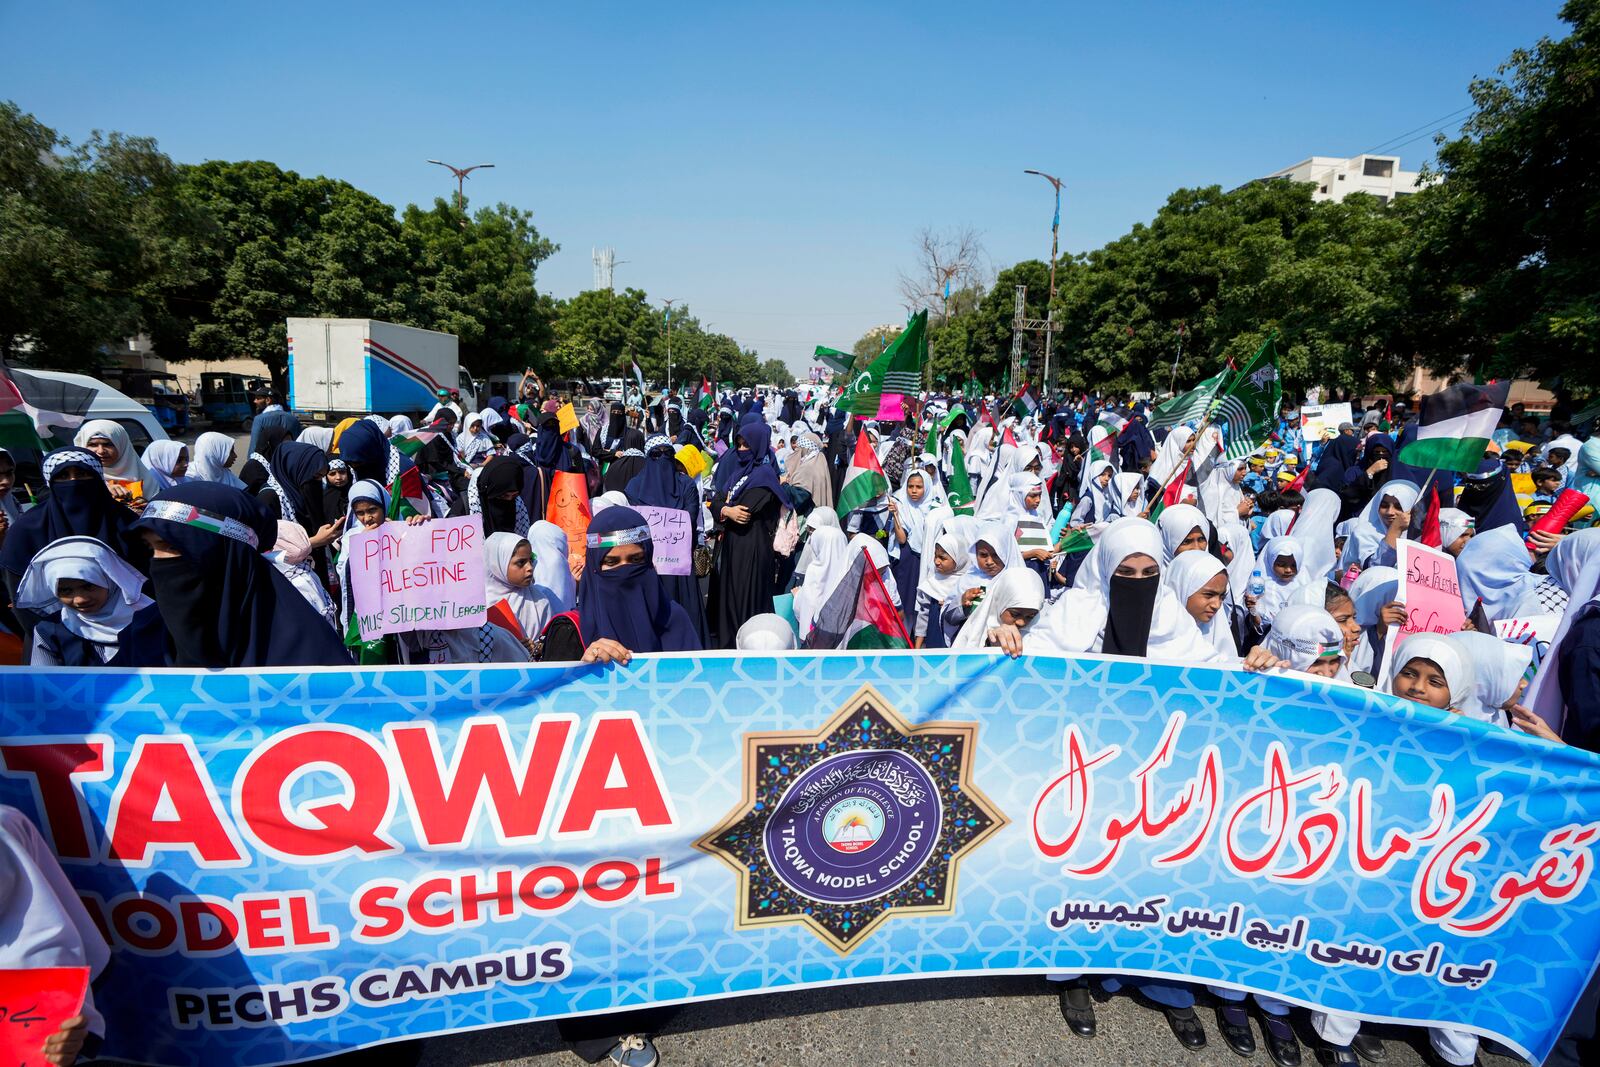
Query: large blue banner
[292, 863]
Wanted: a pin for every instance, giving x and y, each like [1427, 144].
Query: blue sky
[769, 165]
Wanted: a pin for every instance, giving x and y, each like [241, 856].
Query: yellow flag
[567, 418]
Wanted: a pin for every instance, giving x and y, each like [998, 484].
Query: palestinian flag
[960, 484]
[1186, 406]
[898, 370]
[1026, 402]
[1247, 410]
[410, 442]
[1074, 541]
[858, 614]
[501, 615]
[1454, 427]
[835, 360]
[32, 408]
[1109, 426]
[408, 495]
[706, 397]
[1172, 492]
[863, 481]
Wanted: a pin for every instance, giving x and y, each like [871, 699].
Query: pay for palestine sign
[288, 864]
[423, 577]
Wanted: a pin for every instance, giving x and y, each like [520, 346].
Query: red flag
[501, 615]
[569, 509]
[1174, 491]
[1009, 438]
[1430, 522]
[1299, 479]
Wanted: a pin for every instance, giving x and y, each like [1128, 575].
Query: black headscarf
[628, 604]
[82, 508]
[297, 468]
[1129, 607]
[1488, 497]
[502, 474]
[1338, 456]
[223, 603]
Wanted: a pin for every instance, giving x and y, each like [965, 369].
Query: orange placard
[566, 418]
[569, 509]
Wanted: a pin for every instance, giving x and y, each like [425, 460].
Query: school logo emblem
[865, 819]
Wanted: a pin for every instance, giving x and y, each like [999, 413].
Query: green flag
[898, 370]
[835, 360]
[960, 484]
[1186, 406]
[1246, 409]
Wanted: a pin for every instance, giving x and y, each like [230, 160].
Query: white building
[1337, 178]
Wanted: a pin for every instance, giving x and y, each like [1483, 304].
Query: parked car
[158, 391]
[109, 403]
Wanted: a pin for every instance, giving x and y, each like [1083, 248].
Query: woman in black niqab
[744, 577]
[661, 483]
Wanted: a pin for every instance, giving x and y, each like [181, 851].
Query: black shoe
[1185, 1027]
[1078, 1010]
[1234, 1023]
[1282, 1045]
[1336, 1055]
[1370, 1048]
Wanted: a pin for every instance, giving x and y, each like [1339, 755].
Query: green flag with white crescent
[898, 370]
[1247, 407]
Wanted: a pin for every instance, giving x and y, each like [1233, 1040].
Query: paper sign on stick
[671, 538]
[427, 577]
[33, 1005]
[1429, 590]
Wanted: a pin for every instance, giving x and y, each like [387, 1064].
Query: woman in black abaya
[662, 484]
[746, 514]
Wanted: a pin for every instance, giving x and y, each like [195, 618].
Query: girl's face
[1421, 680]
[1338, 545]
[915, 488]
[622, 556]
[1388, 508]
[1031, 501]
[1104, 478]
[1018, 617]
[1285, 568]
[368, 514]
[8, 475]
[1204, 603]
[83, 597]
[103, 450]
[1522, 684]
[181, 468]
[1138, 565]
[1344, 613]
[339, 479]
[519, 572]
[942, 561]
[989, 563]
[1327, 667]
[1455, 547]
[1196, 539]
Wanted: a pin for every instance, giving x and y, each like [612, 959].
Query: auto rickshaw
[225, 398]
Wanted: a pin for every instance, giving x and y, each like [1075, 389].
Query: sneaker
[635, 1050]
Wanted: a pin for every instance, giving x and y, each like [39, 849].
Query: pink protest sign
[1429, 591]
[425, 577]
[671, 539]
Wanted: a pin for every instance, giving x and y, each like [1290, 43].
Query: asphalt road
[940, 1022]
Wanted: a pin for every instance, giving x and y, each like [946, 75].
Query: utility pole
[1017, 326]
[461, 178]
[1050, 308]
[667, 315]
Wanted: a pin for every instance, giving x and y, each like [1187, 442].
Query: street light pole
[1050, 308]
[461, 178]
[667, 315]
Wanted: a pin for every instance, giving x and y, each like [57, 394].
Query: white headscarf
[1495, 567]
[160, 458]
[1574, 564]
[1302, 634]
[1104, 511]
[1185, 575]
[318, 436]
[944, 531]
[1362, 546]
[1278, 591]
[551, 572]
[1242, 561]
[878, 558]
[398, 424]
[914, 516]
[1497, 666]
[819, 518]
[1458, 673]
[1177, 523]
[531, 609]
[209, 460]
[1000, 534]
[84, 559]
[1016, 587]
[1076, 621]
[831, 555]
[1314, 530]
[127, 468]
[1122, 488]
[1278, 523]
[764, 633]
[1170, 456]
[1453, 522]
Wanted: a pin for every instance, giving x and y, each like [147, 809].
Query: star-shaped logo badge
[862, 820]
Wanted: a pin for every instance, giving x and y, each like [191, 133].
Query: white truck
[340, 368]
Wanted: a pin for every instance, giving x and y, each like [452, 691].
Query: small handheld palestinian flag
[707, 398]
[1454, 427]
[858, 614]
[410, 442]
[1172, 494]
[408, 495]
[864, 481]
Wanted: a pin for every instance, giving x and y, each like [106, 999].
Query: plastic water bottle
[1258, 584]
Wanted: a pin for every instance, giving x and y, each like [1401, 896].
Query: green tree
[94, 239]
[617, 327]
[286, 246]
[1514, 228]
[870, 345]
[775, 372]
[476, 280]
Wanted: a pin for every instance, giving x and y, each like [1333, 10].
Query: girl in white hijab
[1014, 599]
[1307, 639]
[1282, 566]
[125, 475]
[1171, 456]
[1094, 504]
[1129, 612]
[508, 576]
[820, 517]
[912, 515]
[1372, 592]
[1127, 493]
[878, 559]
[1370, 543]
[1199, 581]
[317, 436]
[1183, 527]
[831, 553]
[213, 459]
[1499, 668]
[764, 633]
[551, 571]
[939, 577]
[1314, 530]
[1241, 561]
[1429, 670]
[167, 463]
[105, 618]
